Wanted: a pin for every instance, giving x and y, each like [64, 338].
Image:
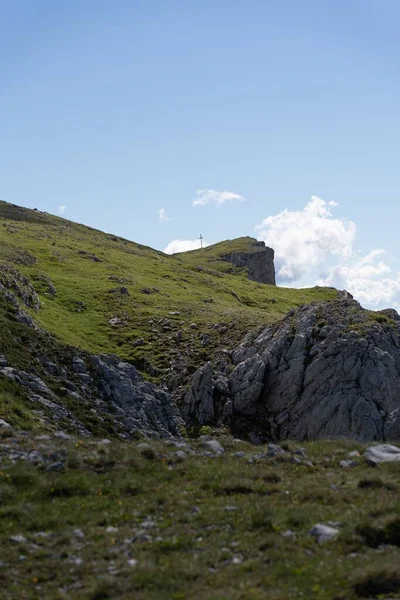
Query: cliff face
[327, 370]
[259, 262]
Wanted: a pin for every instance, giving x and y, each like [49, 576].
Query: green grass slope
[103, 293]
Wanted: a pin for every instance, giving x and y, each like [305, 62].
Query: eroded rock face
[327, 370]
[259, 263]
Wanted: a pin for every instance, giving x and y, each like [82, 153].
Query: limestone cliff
[259, 261]
[327, 370]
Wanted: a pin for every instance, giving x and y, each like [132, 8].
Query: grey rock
[4, 424]
[323, 533]
[179, 456]
[259, 261]
[346, 464]
[78, 365]
[199, 402]
[328, 372]
[211, 445]
[246, 384]
[274, 450]
[383, 453]
[18, 539]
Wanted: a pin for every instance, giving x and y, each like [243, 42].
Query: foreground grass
[122, 521]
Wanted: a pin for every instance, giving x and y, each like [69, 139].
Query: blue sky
[115, 110]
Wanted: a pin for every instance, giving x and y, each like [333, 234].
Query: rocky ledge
[326, 370]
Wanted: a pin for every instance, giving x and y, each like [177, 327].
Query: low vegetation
[90, 519]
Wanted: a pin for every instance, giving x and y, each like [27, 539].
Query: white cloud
[162, 215]
[312, 240]
[213, 197]
[62, 209]
[184, 246]
[367, 280]
[303, 240]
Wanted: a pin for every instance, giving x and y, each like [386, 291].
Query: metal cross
[201, 241]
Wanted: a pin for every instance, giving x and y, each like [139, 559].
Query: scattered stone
[383, 453]
[78, 533]
[18, 539]
[353, 454]
[274, 450]
[193, 326]
[56, 466]
[139, 342]
[111, 529]
[114, 321]
[4, 424]
[346, 464]
[132, 562]
[323, 533]
[230, 508]
[179, 456]
[212, 445]
[288, 534]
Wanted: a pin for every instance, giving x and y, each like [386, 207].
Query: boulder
[383, 453]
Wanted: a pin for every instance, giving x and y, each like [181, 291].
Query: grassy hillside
[103, 293]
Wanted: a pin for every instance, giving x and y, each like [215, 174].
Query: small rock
[288, 534]
[111, 529]
[179, 456]
[353, 454]
[237, 559]
[132, 562]
[4, 424]
[230, 508]
[139, 342]
[62, 435]
[323, 533]
[383, 453]
[78, 533]
[193, 326]
[56, 466]
[114, 321]
[148, 524]
[208, 443]
[18, 539]
[346, 464]
[274, 450]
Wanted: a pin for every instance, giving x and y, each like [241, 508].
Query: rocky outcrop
[258, 260]
[327, 370]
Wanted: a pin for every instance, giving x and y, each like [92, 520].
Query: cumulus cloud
[205, 197]
[312, 240]
[303, 239]
[184, 246]
[162, 215]
[62, 209]
[367, 279]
